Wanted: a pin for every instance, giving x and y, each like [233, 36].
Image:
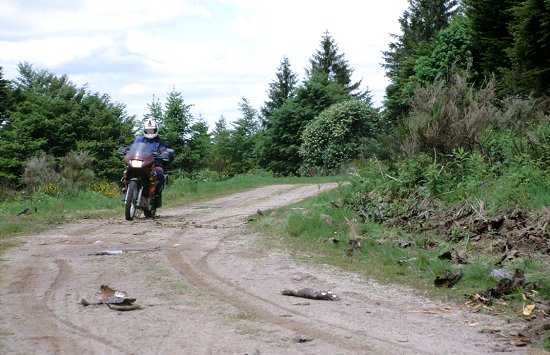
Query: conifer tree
[199, 146]
[175, 128]
[50, 114]
[332, 63]
[419, 24]
[279, 91]
[4, 98]
[530, 53]
[242, 140]
[490, 25]
[220, 139]
[155, 112]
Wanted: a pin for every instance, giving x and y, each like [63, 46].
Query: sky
[214, 52]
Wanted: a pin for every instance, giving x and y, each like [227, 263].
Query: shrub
[530, 138]
[334, 138]
[106, 189]
[40, 174]
[46, 173]
[449, 114]
[76, 171]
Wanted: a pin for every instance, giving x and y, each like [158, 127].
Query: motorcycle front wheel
[131, 201]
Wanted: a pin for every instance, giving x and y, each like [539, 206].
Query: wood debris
[311, 293]
[114, 299]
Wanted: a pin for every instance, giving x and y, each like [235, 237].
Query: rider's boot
[158, 197]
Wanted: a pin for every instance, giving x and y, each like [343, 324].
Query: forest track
[207, 286]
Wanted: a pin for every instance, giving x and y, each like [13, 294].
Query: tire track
[258, 307]
[67, 326]
[198, 272]
[47, 331]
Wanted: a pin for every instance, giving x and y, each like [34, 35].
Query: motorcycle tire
[130, 205]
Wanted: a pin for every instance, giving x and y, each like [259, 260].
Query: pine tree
[419, 24]
[242, 140]
[333, 64]
[199, 146]
[5, 92]
[328, 81]
[531, 50]
[175, 128]
[280, 143]
[220, 139]
[490, 22]
[279, 91]
[155, 113]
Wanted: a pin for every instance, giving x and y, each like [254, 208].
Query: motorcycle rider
[158, 146]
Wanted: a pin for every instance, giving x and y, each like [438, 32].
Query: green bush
[334, 138]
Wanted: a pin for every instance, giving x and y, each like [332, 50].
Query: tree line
[455, 69]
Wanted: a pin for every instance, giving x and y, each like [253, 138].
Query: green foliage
[451, 51]
[175, 128]
[330, 63]
[220, 140]
[279, 91]
[155, 113]
[198, 147]
[5, 99]
[546, 343]
[328, 82]
[240, 146]
[334, 138]
[50, 114]
[508, 170]
[468, 170]
[420, 24]
[206, 175]
[531, 31]
[489, 22]
[188, 136]
[281, 141]
[518, 137]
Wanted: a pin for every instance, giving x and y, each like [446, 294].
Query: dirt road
[208, 287]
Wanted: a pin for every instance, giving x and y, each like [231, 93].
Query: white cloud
[48, 52]
[213, 52]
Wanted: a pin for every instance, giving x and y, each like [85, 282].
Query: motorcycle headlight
[136, 163]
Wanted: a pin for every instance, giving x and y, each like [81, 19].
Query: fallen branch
[310, 293]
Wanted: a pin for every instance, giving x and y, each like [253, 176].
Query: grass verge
[324, 230]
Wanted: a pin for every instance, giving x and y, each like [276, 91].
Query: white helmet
[150, 129]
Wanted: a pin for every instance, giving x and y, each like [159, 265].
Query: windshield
[140, 150]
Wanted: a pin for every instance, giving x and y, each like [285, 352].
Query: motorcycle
[139, 180]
